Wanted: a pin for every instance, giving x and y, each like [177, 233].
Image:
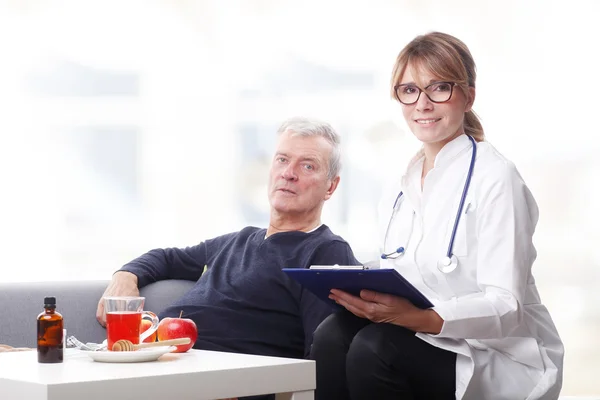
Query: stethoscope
[449, 262]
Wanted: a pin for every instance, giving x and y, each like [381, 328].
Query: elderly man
[242, 301]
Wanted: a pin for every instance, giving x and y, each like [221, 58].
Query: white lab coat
[506, 343]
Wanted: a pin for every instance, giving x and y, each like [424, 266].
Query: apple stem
[181, 313]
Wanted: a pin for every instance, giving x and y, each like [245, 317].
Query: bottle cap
[50, 301]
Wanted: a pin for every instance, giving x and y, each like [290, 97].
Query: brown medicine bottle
[50, 333]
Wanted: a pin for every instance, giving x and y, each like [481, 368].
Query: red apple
[146, 324]
[175, 328]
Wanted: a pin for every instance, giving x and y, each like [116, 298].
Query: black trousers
[358, 359]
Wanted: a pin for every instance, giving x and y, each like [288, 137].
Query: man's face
[298, 182]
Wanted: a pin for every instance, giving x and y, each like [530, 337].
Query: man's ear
[332, 186]
[470, 99]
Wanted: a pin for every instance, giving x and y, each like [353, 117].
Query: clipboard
[320, 280]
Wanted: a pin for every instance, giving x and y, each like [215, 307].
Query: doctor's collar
[444, 157]
[451, 150]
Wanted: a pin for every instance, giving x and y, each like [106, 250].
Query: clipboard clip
[335, 266]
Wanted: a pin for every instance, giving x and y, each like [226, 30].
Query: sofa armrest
[76, 301]
[20, 304]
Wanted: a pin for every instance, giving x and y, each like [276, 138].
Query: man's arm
[172, 263]
[312, 309]
[156, 265]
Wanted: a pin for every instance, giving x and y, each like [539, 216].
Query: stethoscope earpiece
[448, 263]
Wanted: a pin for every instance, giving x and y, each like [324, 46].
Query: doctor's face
[435, 123]
[299, 182]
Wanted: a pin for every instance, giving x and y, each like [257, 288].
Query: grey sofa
[20, 303]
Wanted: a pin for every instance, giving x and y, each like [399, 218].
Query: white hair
[300, 126]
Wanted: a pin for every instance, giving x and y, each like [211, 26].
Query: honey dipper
[126, 345]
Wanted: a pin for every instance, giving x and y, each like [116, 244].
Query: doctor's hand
[386, 308]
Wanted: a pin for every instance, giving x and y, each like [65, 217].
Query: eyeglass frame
[452, 84]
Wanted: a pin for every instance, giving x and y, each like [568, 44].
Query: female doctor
[458, 225]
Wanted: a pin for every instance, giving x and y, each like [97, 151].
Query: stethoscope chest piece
[447, 264]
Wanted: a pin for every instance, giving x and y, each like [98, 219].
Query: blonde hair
[447, 58]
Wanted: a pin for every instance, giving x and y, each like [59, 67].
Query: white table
[193, 375]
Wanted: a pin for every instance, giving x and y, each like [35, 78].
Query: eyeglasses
[437, 92]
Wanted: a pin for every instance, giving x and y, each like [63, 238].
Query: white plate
[141, 355]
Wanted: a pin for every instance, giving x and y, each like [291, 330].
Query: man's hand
[123, 283]
[387, 308]
[5, 348]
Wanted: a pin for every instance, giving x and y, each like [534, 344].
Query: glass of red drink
[124, 319]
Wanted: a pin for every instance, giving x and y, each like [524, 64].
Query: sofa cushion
[161, 294]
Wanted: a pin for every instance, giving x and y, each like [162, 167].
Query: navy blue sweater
[242, 301]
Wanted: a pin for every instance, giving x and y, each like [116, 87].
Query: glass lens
[407, 94]
[439, 91]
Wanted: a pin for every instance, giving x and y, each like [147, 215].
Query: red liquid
[123, 325]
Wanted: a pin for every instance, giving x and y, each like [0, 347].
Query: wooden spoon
[126, 345]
